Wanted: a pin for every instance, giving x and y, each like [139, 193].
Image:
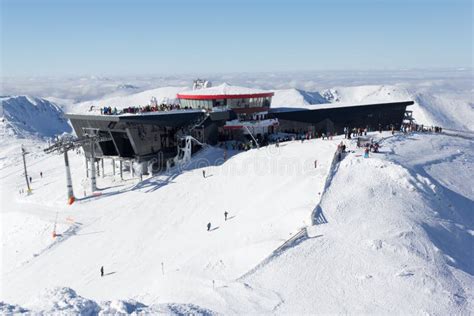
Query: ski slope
[398, 237]
[397, 240]
[134, 227]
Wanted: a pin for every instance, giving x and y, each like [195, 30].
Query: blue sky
[53, 37]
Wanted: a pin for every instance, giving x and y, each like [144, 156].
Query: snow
[452, 109]
[26, 116]
[396, 237]
[162, 95]
[433, 106]
[443, 97]
[276, 186]
[64, 300]
[37, 238]
[9, 309]
[395, 241]
[296, 98]
[224, 89]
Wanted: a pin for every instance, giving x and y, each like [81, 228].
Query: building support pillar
[70, 192]
[93, 179]
[87, 167]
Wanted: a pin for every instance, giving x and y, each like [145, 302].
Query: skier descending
[208, 226]
[204, 173]
[225, 215]
[102, 271]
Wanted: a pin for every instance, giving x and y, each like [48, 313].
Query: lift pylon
[66, 143]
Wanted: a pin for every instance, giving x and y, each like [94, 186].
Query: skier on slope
[204, 173]
[208, 226]
[225, 215]
[102, 271]
[41, 174]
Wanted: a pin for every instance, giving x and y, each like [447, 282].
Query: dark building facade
[145, 135]
[137, 136]
[333, 118]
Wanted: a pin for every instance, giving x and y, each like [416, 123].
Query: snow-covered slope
[436, 103]
[452, 109]
[134, 227]
[396, 239]
[433, 106]
[296, 98]
[26, 117]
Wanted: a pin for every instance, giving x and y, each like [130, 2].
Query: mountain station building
[221, 113]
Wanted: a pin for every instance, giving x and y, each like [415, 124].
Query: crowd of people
[107, 110]
[238, 145]
[354, 132]
[413, 127]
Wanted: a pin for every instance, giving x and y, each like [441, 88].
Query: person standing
[41, 174]
[209, 226]
[102, 271]
[225, 215]
[204, 173]
[339, 152]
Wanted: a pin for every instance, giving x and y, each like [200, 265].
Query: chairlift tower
[63, 145]
[23, 154]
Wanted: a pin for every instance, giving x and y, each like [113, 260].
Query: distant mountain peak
[26, 116]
